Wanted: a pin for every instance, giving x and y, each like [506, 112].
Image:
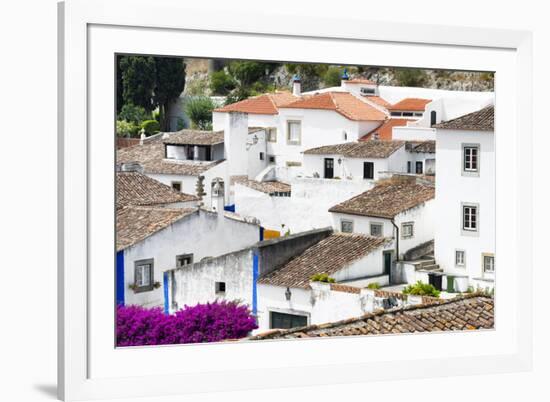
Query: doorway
[329, 168]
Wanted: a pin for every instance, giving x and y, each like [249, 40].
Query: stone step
[427, 262]
[431, 267]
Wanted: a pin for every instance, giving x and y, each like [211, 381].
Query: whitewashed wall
[255, 164]
[198, 234]
[452, 189]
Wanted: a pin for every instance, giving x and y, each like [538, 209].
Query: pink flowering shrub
[210, 322]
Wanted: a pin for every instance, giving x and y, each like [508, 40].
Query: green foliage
[169, 84]
[221, 83]
[199, 111]
[238, 94]
[126, 128]
[197, 87]
[421, 289]
[133, 114]
[332, 76]
[322, 278]
[247, 72]
[150, 126]
[487, 76]
[410, 77]
[373, 285]
[138, 81]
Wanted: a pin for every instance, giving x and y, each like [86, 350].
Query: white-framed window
[489, 264]
[460, 258]
[346, 226]
[294, 132]
[470, 158]
[272, 134]
[470, 218]
[407, 230]
[376, 229]
[143, 275]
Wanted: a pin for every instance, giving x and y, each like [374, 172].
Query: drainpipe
[396, 239]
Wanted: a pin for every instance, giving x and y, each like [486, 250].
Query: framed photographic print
[241, 200]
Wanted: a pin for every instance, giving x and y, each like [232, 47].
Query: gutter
[396, 239]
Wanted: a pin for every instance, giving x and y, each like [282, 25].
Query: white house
[401, 208]
[355, 160]
[287, 297]
[465, 200]
[152, 239]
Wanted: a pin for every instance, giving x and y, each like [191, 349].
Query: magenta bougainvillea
[210, 322]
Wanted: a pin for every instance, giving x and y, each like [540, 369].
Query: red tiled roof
[379, 101]
[262, 104]
[410, 104]
[342, 102]
[385, 130]
[482, 120]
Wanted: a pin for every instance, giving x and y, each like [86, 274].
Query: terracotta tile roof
[195, 137]
[468, 312]
[151, 157]
[379, 101]
[344, 103]
[410, 104]
[482, 120]
[365, 149]
[385, 131]
[427, 146]
[337, 287]
[330, 255]
[262, 104]
[387, 199]
[136, 223]
[268, 187]
[133, 188]
[361, 81]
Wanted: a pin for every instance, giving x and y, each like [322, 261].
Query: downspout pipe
[396, 239]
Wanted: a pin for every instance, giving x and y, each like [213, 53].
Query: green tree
[249, 72]
[332, 77]
[138, 81]
[221, 83]
[169, 84]
[410, 77]
[310, 74]
[126, 128]
[199, 111]
[150, 126]
[133, 114]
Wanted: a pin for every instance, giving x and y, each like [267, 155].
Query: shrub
[410, 77]
[133, 114]
[199, 111]
[221, 83]
[150, 126]
[421, 289]
[322, 278]
[210, 322]
[332, 77]
[126, 129]
[374, 285]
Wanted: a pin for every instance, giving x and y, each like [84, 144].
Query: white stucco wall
[306, 209]
[452, 189]
[202, 234]
[408, 133]
[255, 164]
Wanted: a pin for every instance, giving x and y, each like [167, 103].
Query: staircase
[427, 263]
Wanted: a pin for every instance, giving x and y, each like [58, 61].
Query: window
[271, 158]
[416, 114]
[395, 113]
[184, 259]
[271, 134]
[460, 258]
[220, 287]
[470, 158]
[176, 185]
[368, 170]
[407, 230]
[376, 229]
[346, 226]
[367, 91]
[294, 129]
[407, 114]
[469, 218]
[433, 117]
[418, 166]
[262, 157]
[344, 136]
[286, 321]
[409, 167]
[489, 264]
[143, 275]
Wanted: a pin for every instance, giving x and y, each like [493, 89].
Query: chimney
[142, 136]
[235, 136]
[218, 197]
[296, 85]
[345, 77]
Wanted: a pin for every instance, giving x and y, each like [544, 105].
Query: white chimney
[296, 85]
[218, 197]
[235, 136]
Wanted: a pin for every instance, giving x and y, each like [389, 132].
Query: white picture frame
[91, 31]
